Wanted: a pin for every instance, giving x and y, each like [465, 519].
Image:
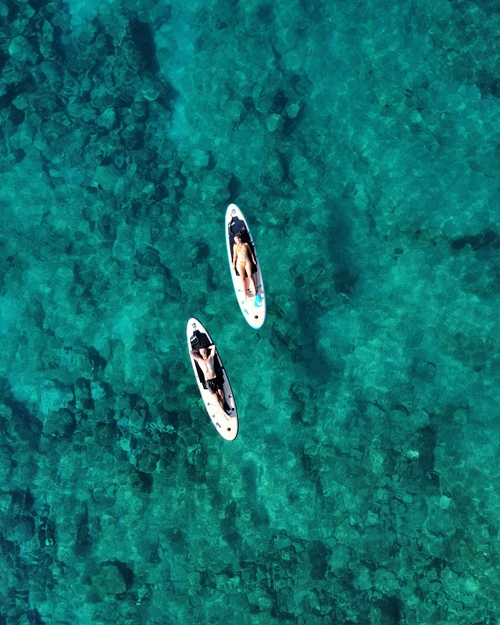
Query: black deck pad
[199, 340]
[238, 226]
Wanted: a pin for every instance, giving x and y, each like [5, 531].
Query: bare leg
[241, 271]
[222, 399]
[219, 396]
[250, 278]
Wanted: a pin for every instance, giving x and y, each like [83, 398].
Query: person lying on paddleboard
[205, 358]
[242, 253]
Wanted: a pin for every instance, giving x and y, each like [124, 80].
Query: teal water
[362, 142]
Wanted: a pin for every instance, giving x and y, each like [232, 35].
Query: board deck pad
[252, 308]
[227, 425]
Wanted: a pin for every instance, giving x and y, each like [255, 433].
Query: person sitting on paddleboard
[242, 252]
[205, 358]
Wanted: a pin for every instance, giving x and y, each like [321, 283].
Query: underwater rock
[55, 397]
[132, 135]
[46, 105]
[5, 463]
[108, 580]
[293, 110]
[210, 188]
[13, 76]
[83, 400]
[275, 122]
[274, 171]
[147, 463]
[197, 159]
[22, 102]
[97, 391]
[20, 49]
[105, 178]
[362, 580]
[46, 44]
[107, 119]
[59, 424]
[318, 553]
[150, 91]
[385, 580]
[23, 531]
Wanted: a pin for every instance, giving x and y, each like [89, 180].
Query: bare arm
[212, 350]
[250, 251]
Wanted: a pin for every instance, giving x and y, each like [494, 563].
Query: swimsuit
[213, 385]
[242, 252]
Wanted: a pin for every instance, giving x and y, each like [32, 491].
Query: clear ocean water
[362, 141]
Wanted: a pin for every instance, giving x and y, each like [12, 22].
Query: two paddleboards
[216, 392]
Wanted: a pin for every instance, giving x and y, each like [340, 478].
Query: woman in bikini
[242, 253]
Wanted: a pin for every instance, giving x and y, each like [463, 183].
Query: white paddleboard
[252, 307]
[226, 425]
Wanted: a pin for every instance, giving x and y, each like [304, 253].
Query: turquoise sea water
[362, 142]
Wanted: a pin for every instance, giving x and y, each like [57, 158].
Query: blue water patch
[361, 142]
